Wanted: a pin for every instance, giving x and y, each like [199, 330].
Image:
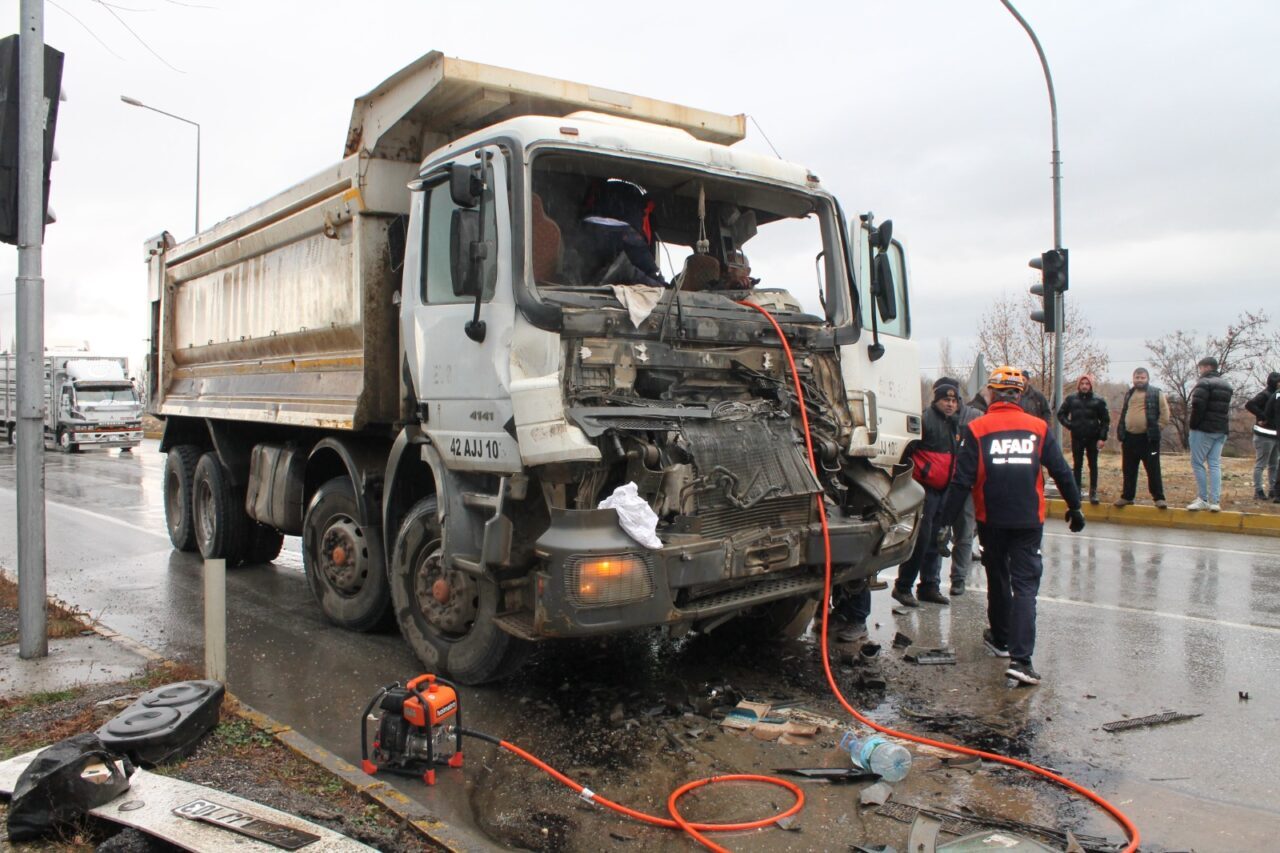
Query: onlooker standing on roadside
[1272, 413]
[1266, 441]
[1035, 403]
[1143, 414]
[1085, 416]
[934, 460]
[1210, 419]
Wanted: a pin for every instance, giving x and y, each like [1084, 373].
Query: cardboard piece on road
[755, 717]
[150, 802]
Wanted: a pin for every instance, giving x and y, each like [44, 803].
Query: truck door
[461, 376]
[882, 369]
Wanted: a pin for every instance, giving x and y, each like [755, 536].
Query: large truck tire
[217, 507]
[179, 474]
[65, 444]
[264, 544]
[346, 572]
[446, 615]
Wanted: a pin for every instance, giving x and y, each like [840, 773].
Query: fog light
[597, 580]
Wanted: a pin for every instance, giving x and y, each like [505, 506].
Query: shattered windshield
[98, 395]
[598, 220]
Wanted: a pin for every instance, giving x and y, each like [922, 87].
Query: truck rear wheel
[179, 472]
[217, 508]
[346, 571]
[447, 615]
[264, 544]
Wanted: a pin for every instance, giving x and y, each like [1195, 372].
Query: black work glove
[1075, 520]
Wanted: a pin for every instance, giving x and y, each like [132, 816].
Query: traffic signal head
[1048, 264]
[9, 141]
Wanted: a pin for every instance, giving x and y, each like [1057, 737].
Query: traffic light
[9, 142]
[1053, 280]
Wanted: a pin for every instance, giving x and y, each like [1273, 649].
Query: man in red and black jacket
[1000, 462]
[934, 459]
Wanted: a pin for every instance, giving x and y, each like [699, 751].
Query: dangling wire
[703, 246]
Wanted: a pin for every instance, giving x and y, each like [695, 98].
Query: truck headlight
[597, 580]
[900, 532]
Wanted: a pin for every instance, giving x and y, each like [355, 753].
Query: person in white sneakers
[1210, 419]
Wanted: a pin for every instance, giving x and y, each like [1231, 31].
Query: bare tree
[1240, 351]
[947, 362]
[1008, 335]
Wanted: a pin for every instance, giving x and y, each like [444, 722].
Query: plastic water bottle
[889, 760]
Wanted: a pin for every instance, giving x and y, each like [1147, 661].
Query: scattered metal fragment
[835, 775]
[1244, 695]
[1149, 720]
[969, 763]
[955, 823]
[924, 834]
[1073, 846]
[950, 825]
[869, 650]
[875, 795]
[932, 657]
[994, 839]
[901, 640]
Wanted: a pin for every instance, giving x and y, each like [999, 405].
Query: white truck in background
[89, 402]
[420, 361]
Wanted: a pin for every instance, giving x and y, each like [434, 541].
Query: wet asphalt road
[1132, 621]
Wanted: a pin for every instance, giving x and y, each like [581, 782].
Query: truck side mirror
[883, 286]
[464, 184]
[466, 252]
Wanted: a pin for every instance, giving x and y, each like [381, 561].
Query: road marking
[1161, 544]
[1116, 608]
[98, 515]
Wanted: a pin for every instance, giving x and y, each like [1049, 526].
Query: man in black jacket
[1210, 419]
[1085, 416]
[1143, 414]
[1035, 403]
[1266, 441]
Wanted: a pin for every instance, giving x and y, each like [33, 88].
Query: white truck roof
[437, 99]
[100, 369]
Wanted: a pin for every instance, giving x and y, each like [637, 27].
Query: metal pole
[33, 641]
[134, 102]
[1059, 298]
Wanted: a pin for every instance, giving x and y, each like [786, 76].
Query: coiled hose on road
[696, 830]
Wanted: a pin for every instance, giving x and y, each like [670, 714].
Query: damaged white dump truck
[513, 295]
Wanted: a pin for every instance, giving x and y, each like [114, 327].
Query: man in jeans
[1144, 412]
[1209, 421]
[1266, 444]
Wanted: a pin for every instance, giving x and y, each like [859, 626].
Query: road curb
[435, 831]
[1254, 524]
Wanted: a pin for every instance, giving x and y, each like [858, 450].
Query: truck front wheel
[65, 444]
[445, 614]
[179, 472]
[217, 508]
[345, 570]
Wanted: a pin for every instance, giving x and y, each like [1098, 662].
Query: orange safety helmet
[1006, 378]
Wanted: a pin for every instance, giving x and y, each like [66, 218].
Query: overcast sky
[933, 113]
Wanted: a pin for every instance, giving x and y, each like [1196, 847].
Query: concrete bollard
[215, 620]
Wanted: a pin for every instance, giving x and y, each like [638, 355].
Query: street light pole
[1059, 296]
[134, 102]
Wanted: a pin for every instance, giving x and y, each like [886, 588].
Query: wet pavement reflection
[1132, 621]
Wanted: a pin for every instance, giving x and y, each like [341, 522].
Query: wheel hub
[447, 597]
[342, 556]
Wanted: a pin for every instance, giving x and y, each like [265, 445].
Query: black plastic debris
[835, 775]
[166, 723]
[901, 640]
[1244, 695]
[61, 785]
[1149, 720]
[869, 650]
[931, 657]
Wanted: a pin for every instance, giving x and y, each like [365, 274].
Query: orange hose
[1130, 830]
[676, 821]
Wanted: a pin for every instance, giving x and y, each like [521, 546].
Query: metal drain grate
[1150, 720]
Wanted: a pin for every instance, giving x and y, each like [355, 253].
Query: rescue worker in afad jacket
[1000, 461]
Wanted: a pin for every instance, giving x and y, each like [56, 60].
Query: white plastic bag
[634, 515]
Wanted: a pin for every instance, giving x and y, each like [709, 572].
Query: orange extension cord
[696, 830]
[1130, 830]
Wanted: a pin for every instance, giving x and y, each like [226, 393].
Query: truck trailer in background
[89, 401]
[435, 358]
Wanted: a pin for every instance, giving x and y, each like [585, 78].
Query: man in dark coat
[1210, 420]
[1266, 439]
[1035, 403]
[933, 459]
[1085, 416]
[1143, 414]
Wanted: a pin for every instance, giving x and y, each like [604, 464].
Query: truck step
[518, 623]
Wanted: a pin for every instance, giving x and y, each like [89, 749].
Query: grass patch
[61, 619]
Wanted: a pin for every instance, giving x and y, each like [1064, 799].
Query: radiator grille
[789, 512]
